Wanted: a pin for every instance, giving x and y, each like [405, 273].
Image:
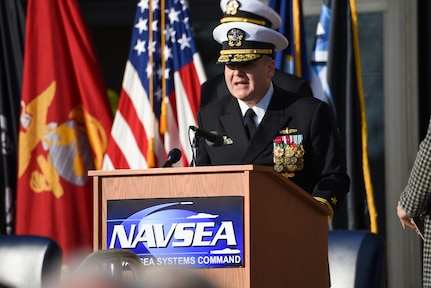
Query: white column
[401, 134]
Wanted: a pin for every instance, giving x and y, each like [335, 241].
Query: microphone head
[212, 138]
[174, 155]
[218, 141]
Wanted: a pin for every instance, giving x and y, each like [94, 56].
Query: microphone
[173, 157]
[212, 138]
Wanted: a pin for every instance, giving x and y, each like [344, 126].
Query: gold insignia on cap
[232, 7]
[235, 37]
[237, 58]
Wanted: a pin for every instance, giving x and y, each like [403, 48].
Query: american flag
[160, 91]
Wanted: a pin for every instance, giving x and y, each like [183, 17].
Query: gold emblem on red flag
[64, 151]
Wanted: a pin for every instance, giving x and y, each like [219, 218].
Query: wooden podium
[285, 229]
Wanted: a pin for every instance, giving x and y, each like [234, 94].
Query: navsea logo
[194, 232]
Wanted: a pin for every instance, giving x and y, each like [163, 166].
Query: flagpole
[150, 153]
[163, 116]
[297, 38]
[365, 163]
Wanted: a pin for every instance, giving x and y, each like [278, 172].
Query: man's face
[250, 81]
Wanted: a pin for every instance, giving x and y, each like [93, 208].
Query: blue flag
[337, 80]
[293, 59]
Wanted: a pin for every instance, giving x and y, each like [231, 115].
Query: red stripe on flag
[128, 111]
[191, 86]
[114, 150]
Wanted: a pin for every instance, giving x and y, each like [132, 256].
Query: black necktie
[250, 124]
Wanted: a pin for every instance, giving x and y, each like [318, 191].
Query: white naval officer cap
[251, 11]
[243, 42]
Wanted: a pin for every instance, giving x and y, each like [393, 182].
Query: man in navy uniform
[263, 124]
[256, 12]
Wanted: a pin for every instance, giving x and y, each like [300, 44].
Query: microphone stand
[195, 147]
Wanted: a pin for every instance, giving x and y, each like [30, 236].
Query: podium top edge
[181, 170]
[214, 169]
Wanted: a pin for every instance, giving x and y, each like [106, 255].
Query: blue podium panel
[193, 232]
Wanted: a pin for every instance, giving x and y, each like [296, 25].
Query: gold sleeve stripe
[326, 203]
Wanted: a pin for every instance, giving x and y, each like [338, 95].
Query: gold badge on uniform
[288, 152]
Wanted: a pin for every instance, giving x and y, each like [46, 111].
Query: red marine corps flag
[64, 121]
